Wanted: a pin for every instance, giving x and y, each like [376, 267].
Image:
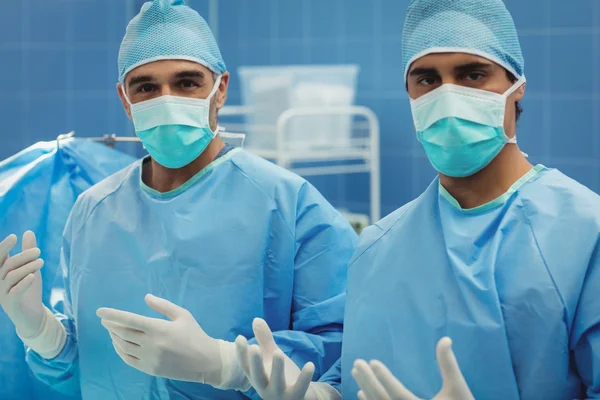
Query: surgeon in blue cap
[168, 260]
[500, 256]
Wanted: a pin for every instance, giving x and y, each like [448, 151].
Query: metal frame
[112, 139]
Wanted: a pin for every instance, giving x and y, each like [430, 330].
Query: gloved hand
[177, 349]
[21, 285]
[377, 382]
[273, 375]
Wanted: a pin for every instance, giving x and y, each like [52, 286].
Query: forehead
[442, 61]
[165, 69]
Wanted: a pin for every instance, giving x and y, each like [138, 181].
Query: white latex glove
[273, 375]
[21, 285]
[177, 349]
[377, 382]
[21, 297]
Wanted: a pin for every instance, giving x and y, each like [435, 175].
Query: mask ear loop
[130, 105]
[215, 88]
[126, 97]
[208, 99]
[520, 82]
[513, 140]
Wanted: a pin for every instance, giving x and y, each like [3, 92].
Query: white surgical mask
[175, 130]
[461, 128]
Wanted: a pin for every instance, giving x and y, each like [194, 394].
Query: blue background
[58, 73]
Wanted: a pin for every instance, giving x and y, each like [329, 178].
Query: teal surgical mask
[175, 130]
[461, 128]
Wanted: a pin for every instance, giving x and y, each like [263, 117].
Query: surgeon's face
[174, 78]
[434, 70]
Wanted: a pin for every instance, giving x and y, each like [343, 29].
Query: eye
[474, 76]
[146, 88]
[188, 84]
[426, 81]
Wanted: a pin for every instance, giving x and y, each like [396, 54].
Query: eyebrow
[140, 79]
[423, 71]
[458, 69]
[190, 74]
[183, 74]
[471, 66]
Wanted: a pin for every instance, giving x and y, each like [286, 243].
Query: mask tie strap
[126, 97]
[520, 82]
[215, 88]
[210, 96]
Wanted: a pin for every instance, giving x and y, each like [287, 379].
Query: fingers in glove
[117, 346]
[362, 396]
[165, 307]
[129, 360]
[454, 381]
[298, 391]
[126, 347]
[257, 368]
[29, 241]
[264, 336]
[447, 361]
[130, 320]
[392, 385]
[277, 381]
[241, 346]
[22, 286]
[17, 275]
[130, 335]
[368, 382]
[6, 246]
[18, 261]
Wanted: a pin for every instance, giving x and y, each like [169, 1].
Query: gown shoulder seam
[255, 183]
[97, 203]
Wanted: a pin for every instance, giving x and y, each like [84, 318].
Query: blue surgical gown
[242, 239]
[515, 284]
[38, 187]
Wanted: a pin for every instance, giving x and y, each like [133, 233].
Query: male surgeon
[499, 255]
[180, 251]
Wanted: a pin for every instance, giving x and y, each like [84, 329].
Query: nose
[165, 90]
[449, 79]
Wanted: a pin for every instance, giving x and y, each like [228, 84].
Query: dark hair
[518, 107]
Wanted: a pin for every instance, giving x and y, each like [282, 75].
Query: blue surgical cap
[168, 30]
[481, 27]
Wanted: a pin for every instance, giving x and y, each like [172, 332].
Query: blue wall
[59, 69]
[59, 73]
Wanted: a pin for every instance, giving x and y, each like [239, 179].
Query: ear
[221, 95]
[121, 92]
[520, 92]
